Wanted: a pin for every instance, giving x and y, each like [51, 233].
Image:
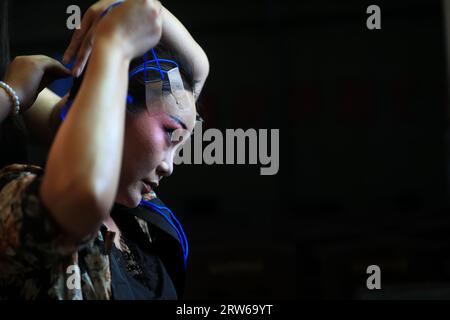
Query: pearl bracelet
[13, 96]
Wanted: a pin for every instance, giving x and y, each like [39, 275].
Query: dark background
[364, 139]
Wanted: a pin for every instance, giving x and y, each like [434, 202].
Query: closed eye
[174, 136]
[169, 132]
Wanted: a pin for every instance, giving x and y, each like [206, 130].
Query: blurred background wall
[363, 119]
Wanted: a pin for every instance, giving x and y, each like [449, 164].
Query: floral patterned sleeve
[29, 238]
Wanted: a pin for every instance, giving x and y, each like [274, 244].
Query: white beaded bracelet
[13, 96]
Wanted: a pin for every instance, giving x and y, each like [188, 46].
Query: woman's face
[152, 138]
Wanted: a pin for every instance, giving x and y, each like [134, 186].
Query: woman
[61, 230]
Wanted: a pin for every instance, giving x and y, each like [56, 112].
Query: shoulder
[17, 181]
[17, 171]
[17, 168]
[16, 178]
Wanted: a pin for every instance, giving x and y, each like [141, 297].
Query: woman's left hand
[82, 39]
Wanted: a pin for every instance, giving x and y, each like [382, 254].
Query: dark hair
[4, 37]
[136, 86]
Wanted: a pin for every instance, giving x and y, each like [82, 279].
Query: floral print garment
[36, 261]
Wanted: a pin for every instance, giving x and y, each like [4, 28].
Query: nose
[165, 169]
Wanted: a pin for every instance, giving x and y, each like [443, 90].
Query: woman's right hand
[133, 26]
[29, 75]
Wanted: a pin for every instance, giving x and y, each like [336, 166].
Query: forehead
[173, 100]
[182, 107]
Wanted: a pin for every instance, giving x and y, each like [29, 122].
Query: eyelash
[169, 132]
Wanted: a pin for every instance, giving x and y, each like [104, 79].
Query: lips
[149, 186]
[154, 185]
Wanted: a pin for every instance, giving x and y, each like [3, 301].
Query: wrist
[5, 105]
[10, 97]
[5, 100]
[112, 42]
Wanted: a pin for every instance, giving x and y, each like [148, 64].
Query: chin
[135, 199]
[132, 198]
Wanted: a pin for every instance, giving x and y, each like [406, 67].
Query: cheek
[146, 143]
[152, 138]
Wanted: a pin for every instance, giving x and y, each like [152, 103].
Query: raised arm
[175, 36]
[178, 38]
[82, 172]
[42, 119]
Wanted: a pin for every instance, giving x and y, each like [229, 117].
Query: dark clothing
[37, 263]
[13, 142]
[152, 281]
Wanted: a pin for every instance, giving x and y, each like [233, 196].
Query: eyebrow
[178, 121]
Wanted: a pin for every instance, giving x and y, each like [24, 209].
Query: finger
[48, 64]
[73, 46]
[84, 47]
[83, 62]
[110, 6]
[157, 9]
[83, 54]
[53, 72]
[53, 68]
[78, 36]
[158, 13]
[58, 70]
[92, 17]
[158, 6]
